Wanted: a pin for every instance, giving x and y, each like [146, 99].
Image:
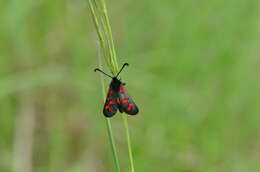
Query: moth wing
[126, 103]
[110, 106]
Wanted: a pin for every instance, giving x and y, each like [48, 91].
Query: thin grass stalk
[108, 122]
[114, 63]
[109, 128]
[103, 28]
[100, 33]
[110, 35]
[131, 159]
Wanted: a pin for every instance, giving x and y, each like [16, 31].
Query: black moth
[117, 97]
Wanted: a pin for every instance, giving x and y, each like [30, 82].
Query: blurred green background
[194, 72]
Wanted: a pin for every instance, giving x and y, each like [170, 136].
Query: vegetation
[193, 72]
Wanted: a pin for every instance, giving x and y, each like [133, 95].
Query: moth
[117, 97]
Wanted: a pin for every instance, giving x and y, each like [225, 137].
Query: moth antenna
[97, 69]
[125, 64]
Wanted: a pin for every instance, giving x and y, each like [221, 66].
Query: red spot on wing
[110, 91]
[122, 90]
[125, 101]
[130, 106]
[108, 108]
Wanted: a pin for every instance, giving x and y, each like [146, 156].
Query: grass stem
[128, 143]
[102, 24]
[109, 127]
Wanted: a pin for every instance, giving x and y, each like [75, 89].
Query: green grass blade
[102, 24]
[131, 159]
[109, 128]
